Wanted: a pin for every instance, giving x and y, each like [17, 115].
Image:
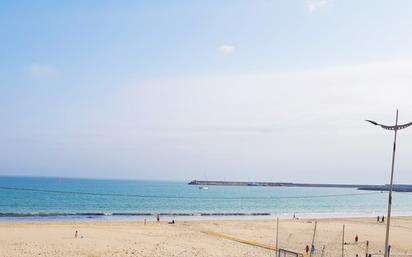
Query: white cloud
[42, 71]
[231, 124]
[314, 5]
[299, 99]
[234, 124]
[226, 49]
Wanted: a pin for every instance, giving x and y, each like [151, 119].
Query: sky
[258, 90]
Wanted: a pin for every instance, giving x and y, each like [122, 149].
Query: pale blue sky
[243, 90]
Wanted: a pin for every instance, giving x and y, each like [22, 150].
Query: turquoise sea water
[64, 198]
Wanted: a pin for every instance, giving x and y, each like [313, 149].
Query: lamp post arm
[404, 125]
[396, 127]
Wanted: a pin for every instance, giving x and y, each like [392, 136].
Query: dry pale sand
[189, 238]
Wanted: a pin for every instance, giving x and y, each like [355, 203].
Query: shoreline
[194, 217]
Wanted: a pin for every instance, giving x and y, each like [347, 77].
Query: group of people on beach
[158, 220]
[312, 249]
[378, 219]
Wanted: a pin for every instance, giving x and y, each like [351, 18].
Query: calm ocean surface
[122, 199]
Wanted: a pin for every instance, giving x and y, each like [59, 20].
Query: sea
[39, 198]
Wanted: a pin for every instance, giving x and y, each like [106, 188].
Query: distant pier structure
[396, 188]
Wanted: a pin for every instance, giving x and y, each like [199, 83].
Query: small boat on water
[203, 188]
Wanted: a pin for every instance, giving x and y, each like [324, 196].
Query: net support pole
[313, 239]
[367, 248]
[343, 240]
[277, 234]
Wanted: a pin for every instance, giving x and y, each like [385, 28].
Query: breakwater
[396, 188]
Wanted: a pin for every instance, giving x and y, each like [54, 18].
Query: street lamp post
[388, 218]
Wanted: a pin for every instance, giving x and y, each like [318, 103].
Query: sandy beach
[198, 238]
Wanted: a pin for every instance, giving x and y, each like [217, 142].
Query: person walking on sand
[377, 219]
[158, 217]
[76, 234]
[307, 249]
[383, 219]
[356, 238]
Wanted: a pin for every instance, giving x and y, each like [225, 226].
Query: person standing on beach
[377, 219]
[158, 217]
[307, 249]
